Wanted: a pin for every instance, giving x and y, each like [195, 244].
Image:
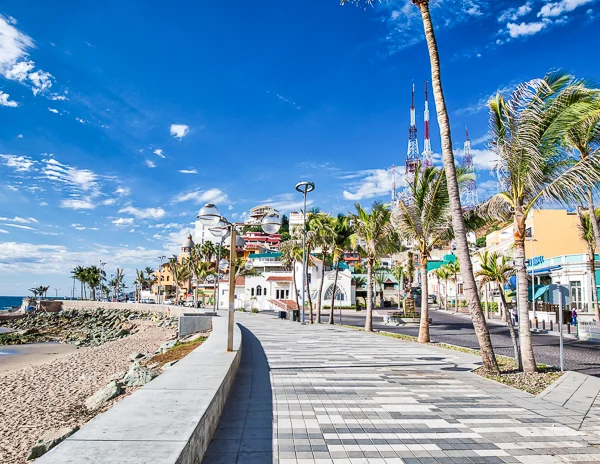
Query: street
[458, 330]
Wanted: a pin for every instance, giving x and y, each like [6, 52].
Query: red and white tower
[427, 153]
[468, 192]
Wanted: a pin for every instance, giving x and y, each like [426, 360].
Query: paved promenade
[325, 394]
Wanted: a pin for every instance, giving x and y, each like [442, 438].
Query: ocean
[7, 301]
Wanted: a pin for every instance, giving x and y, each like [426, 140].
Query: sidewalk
[341, 396]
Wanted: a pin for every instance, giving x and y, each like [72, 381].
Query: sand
[18, 356]
[46, 397]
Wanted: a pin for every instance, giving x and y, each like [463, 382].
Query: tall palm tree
[453, 268]
[140, 282]
[320, 228]
[399, 272]
[379, 274]
[458, 221]
[340, 242]
[79, 274]
[376, 236]
[584, 138]
[528, 133]
[443, 274]
[426, 221]
[497, 269]
[586, 232]
[291, 254]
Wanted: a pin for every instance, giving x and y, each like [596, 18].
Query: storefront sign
[535, 261]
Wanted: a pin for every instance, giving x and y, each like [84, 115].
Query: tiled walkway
[340, 396]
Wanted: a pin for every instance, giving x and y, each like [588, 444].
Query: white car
[168, 302]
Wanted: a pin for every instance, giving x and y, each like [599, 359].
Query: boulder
[166, 346]
[135, 356]
[117, 376]
[107, 393]
[168, 365]
[138, 375]
[43, 445]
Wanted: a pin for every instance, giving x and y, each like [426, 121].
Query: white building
[275, 288]
[202, 234]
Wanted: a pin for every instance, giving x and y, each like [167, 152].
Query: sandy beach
[19, 356]
[50, 395]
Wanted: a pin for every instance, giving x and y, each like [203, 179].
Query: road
[458, 330]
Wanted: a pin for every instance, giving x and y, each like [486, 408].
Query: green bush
[254, 310]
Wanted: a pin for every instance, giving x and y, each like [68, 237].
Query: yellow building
[164, 277]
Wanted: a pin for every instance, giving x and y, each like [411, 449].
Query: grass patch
[176, 352]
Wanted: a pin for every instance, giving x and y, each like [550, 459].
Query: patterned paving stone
[343, 396]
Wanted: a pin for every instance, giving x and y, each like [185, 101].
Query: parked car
[168, 302]
[431, 299]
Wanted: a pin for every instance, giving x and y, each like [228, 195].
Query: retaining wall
[170, 420]
[158, 308]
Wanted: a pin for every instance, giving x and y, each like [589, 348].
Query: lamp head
[305, 187]
[209, 215]
[248, 265]
[223, 264]
[271, 223]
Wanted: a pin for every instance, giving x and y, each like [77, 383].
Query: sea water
[6, 302]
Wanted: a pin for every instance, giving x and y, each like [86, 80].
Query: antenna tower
[427, 153]
[468, 197]
[413, 157]
[393, 184]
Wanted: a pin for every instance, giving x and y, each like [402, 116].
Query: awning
[539, 291]
[542, 270]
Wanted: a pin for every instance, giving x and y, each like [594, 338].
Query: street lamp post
[160, 278]
[560, 323]
[209, 216]
[218, 231]
[304, 188]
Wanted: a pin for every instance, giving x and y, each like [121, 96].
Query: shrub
[254, 310]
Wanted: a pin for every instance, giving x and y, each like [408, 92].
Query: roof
[189, 243]
[279, 278]
[240, 281]
[265, 255]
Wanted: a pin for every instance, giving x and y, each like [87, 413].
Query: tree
[410, 268]
[180, 274]
[586, 232]
[399, 272]
[376, 236]
[379, 274]
[443, 274]
[320, 230]
[458, 221]
[140, 281]
[497, 269]
[425, 221]
[340, 242]
[291, 253]
[79, 274]
[528, 133]
[453, 268]
[584, 138]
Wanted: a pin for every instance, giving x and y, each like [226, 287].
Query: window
[258, 290]
[168, 277]
[252, 291]
[576, 294]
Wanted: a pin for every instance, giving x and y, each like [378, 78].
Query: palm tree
[140, 281]
[497, 269]
[584, 138]
[586, 232]
[528, 133]
[426, 222]
[79, 274]
[340, 242]
[410, 268]
[443, 274]
[458, 221]
[379, 274]
[180, 274]
[399, 272]
[291, 253]
[376, 236]
[453, 268]
[320, 229]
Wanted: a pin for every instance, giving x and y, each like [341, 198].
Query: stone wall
[170, 420]
[159, 308]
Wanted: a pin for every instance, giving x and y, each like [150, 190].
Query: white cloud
[2, 231]
[53, 110]
[159, 152]
[525, 29]
[484, 160]
[170, 225]
[15, 63]
[122, 191]
[57, 97]
[43, 203]
[78, 180]
[19, 226]
[373, 183]
[552, 10]
[20, 163]
[80, 120]
[188, 171]
[122, 222]
[515, 13]
[144, 213]
[6, 101]
[20, 220]
[78, 227]
[150, 164]
[108, 202]
[20, 136]
[179, 131]
[213, 195]
[74, 203]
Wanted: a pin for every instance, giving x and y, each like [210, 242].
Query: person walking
[515, 315]
[574, 317]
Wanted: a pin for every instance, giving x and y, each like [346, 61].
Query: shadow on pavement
[245, 432]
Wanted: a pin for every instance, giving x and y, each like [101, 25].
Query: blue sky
[120, 119]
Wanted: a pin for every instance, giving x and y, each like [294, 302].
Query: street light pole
[230, 314]
[160, 278]
[560, 323]
[304, 188]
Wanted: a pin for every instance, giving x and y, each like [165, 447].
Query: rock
[107, 393]
[29, 331]
[168, 365]
[43, 445]
[135, 356]
[117, 376]
[153, 365]
[138, 375]
[166, 345]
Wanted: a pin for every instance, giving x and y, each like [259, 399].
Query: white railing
[589, 330]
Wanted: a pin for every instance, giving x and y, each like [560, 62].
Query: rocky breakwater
[81, 327]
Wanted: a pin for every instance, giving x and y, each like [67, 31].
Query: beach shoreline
[13, 357]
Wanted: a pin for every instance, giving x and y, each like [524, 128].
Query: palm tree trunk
[593, 218]
[320, 296]
[592, 260]
[295, 288]
[369, 318]
[446, 294]
[456, 293]
[337, 269]
[424, 325]
[511, 329]
[458, 223]
[527, 355]
[310, 305]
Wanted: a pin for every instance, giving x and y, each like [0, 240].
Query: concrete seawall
[168, 421]
[158, 308]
